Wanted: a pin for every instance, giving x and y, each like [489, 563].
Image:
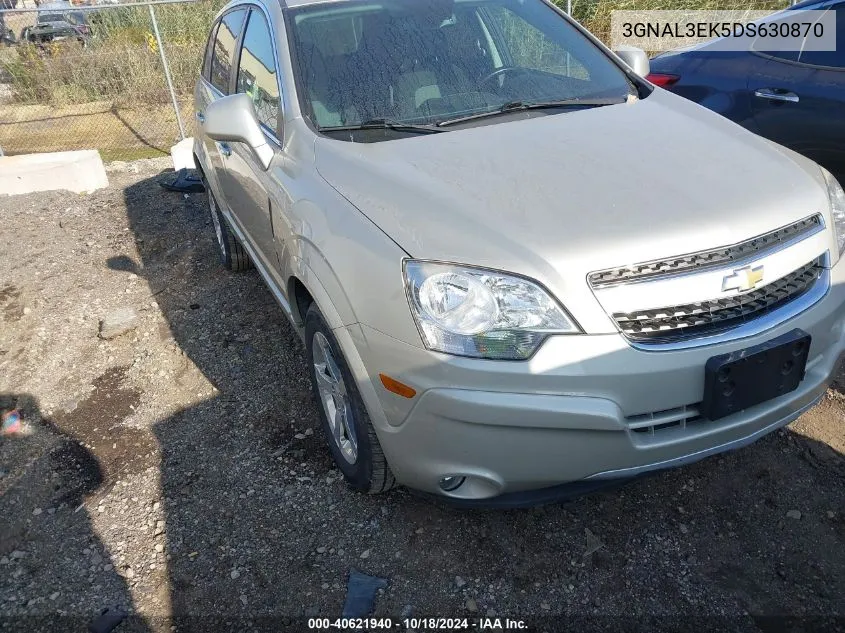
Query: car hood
[556, 197]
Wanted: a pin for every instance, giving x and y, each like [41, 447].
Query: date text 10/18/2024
[417, 624]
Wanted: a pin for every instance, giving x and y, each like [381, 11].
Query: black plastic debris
[361, 594]
[184, 182]
[108, 620]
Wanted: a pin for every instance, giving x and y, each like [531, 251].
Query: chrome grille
[705, 259]
[706, 317]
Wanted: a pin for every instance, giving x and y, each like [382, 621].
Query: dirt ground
[178, 471]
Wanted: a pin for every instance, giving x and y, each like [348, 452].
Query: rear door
[800, 102]
[257, 76]
[216, 82]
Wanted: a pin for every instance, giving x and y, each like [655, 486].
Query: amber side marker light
[397, 387]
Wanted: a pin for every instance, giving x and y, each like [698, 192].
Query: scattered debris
[184, 182]
[361, 594]
[12, 422]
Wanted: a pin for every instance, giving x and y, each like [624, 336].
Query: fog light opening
[452, 483]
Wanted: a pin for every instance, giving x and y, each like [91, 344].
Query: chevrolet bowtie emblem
[743, 279]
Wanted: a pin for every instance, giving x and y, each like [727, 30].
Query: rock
[471, 605]
[159, 547]
[54, 595]
[545, 606]
[235, 574]
[491, 613]
[420, 530]
[794, 514]
[119, 322]
[37, 511]
[321, 550]
[129, 573]
[830, 514]
[96, 559]
[407, 611]
[365, 554]
[684, 529]
[459, 582]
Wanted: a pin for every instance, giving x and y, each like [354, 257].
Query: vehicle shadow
[262, 532]
[47, 473]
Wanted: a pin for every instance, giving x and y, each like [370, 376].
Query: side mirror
[635, 58]
[233, 119]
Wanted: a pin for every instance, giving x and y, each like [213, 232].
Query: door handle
[776, 95]
[225, 149]
[200, 117]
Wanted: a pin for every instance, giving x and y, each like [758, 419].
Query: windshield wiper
[385, 124]
[515, 106]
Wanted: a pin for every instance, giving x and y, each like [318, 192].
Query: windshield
[432, 61]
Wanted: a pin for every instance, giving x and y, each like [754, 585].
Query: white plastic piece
[80, 171]
[183, 154]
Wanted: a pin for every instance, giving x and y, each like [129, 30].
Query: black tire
[232, 253]
[370, 472]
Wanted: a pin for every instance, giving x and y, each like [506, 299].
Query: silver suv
[515, 264]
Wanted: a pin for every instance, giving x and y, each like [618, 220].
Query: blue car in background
[794, 98]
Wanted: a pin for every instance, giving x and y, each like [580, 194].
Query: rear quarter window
[225, 42]
[209, 51]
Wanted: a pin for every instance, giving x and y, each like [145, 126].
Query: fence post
[167, 71]
[569, 7]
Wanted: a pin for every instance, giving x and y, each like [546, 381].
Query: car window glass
[209, 51]
[427, 62]
[224, 49]
[833, 59]
[257, 70]
[530, 47]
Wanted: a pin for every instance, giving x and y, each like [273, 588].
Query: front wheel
[349, 433]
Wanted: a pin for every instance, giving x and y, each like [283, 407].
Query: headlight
[837, 208]
[481, 313]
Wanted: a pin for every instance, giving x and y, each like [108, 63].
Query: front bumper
[566, 414]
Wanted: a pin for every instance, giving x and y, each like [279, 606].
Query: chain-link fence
[79, 77]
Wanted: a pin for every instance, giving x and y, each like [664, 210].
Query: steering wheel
[499, 72]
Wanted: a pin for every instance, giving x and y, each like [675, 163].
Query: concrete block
[183, 154]
[79, 171]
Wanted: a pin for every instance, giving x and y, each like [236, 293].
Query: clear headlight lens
[837, 208]
[481, 313]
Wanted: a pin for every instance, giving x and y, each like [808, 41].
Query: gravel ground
[177, 471]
